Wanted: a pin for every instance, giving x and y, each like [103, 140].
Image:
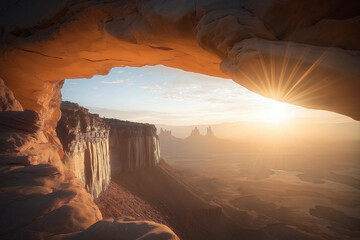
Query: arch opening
[260, 162]
[171, 97]
[302, 57]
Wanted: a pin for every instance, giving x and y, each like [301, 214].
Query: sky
[163, 95]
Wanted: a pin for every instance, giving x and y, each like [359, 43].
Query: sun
[274, 112]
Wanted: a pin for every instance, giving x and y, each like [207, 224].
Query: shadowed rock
[132, 145]
[7, 99]
[278, 49]
[39, 196]
[124, 229]
[85, 139]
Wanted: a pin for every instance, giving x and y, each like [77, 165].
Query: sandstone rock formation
[85, 140]
[117, 201]
[209, 133]
[123, 228]
[7, 99]
[300, 52]
[38, 196]
[279, 49]
[132, 145]
[165, 133]
[91, 144]
[195, 135]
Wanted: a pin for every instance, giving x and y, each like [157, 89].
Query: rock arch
[300, 57]
[300, 52]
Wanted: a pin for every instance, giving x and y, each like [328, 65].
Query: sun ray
[265, 72]
[272, 74]
[293, 73]
[305, 93]
[282, 72]
[263, 84]
[305, 74]
[250, 80]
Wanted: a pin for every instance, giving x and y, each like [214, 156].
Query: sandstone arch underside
[301, 52]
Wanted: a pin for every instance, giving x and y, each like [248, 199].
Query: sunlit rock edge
[313, 63]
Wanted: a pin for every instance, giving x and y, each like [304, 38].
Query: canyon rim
[300, 52]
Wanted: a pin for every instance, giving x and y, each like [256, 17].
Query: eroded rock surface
[117, 201]
[91, 144]
[132, 145]
[39, 197]
[123, 228]
[300, 52]
[7, 99]
[85, 140]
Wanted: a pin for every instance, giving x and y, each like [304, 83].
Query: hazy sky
[162, 95]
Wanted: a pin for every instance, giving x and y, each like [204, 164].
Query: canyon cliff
[132, 145]
[94, 147]
[279, 49]
[85, 140]
[41, 195]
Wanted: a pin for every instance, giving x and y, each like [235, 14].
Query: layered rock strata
[85, 140]
[40, 198]
[300, 52]
[132, 145]
[91, 144]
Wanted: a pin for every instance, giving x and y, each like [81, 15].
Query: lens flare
[274, 112]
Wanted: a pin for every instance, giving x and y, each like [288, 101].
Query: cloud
[157, 117]
[119, 81]
[197, 89]
[119, 71]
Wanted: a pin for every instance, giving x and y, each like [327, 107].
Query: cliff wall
[132, 145]
[39, 197]
[85, 140]
[92, 144]
[308, 58]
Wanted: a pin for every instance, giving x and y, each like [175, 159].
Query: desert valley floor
[311, 187]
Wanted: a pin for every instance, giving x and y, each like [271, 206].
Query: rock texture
[85, 140]
[132, 145]
[123, 228]
[117, 201]
[38, 196]
[279, 49]
[91, 144]
[7, 99]
[300, 52]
